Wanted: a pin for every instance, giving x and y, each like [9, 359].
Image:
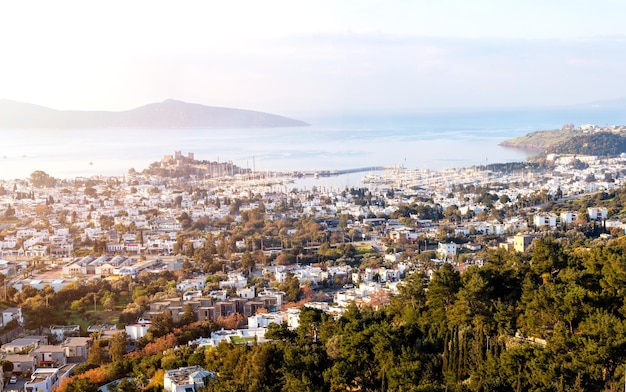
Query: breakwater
[328, 173]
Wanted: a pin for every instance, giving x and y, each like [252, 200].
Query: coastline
[433, 141]
[70, 154]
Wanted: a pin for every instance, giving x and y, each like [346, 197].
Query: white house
[447, 251]
[23, 344]
[191, 284]
[234, 280]
[10, 314]
[263, 320]
[542, 219]
[22, 363]
[136, 331]
[597, 213]
[246, 292]
[60, 332]
[43, 380]
[279, 295]
[191, 294]
[186, 379]
[568, 217]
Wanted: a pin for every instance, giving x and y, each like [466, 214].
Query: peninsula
[585, 139]
[169, 114]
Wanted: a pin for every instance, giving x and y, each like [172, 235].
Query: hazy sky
[300, 57]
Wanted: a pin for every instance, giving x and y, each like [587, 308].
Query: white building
[192, 284]
[263, 320]
[11, 314]
[293, 318]
[42, 380]
[279, 295]
[137, 331]
[189, 295]
[186, 379]
[597, 213]
[541, 220]
[234, 280]
[447, 251]
[568, 217]
[246, 292]
[60, 332]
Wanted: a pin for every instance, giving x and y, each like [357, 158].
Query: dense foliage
[601, 144]
[550, 321]
[509, 167]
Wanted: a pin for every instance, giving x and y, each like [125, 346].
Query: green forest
[553, 320]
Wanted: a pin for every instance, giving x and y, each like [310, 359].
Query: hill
[571, 141]
[600, 144]
[541, 140]
[169, 114]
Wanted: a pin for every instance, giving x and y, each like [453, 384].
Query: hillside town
[247, 250]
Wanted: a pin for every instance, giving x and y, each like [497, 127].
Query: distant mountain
[169, 114]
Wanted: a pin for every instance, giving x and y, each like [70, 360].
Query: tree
[78, 306]
[441, 295]
[188, 315]
[285, 259]
[233, 321]
[95, 355]
[248, 262]
[81, 385]
[452, 213]
[9, 212]
[548, 257]
[185, 220]
[117, 346]
[291, 287]
[162, 324]
[41, 179]
[90, 191]
[178, 201]
[280, 332]
[109, 300]
[126, 385]
[7, 366]
[107, 222]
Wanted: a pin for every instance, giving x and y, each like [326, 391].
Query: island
[169, 114]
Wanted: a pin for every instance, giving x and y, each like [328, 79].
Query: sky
[300, 58]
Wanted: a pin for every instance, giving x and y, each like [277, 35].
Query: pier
[328, 173]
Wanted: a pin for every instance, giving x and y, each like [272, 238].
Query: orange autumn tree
[159, 345]
[234, 321]
[98, 376]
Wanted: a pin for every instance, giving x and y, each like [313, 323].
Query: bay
[433, 140]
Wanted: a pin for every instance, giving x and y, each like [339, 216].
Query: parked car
[13, 379]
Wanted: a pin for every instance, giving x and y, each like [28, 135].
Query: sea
[425, 140]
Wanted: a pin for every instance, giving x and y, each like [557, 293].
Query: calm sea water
[425, 140]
